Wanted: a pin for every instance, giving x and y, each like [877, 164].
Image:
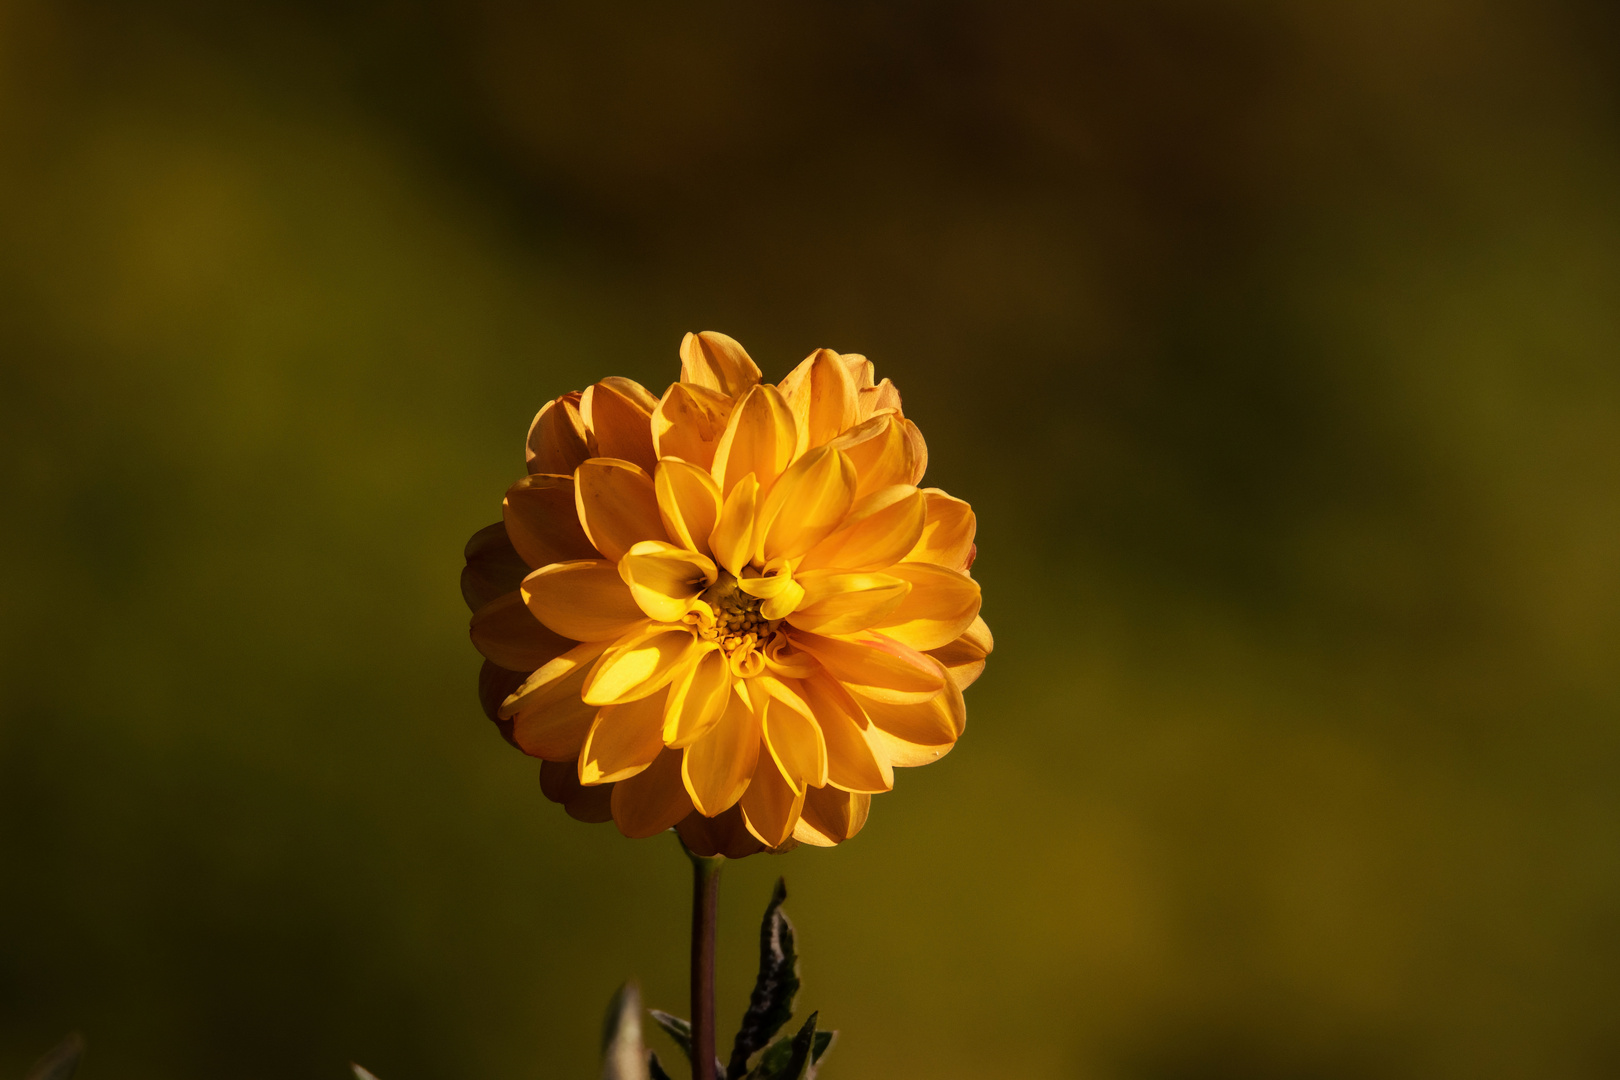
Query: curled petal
[882, 454]
[822, 395]
[718, 766]
[493, 568]
[688, 423]
[940, 606]
[787, 661]
[810, 500]
[697, 696]
[548, 718]
[947, 536]
[688, 502]
[558, 440]
[653, 800]
[542, 522]
[732, 540]
[776, 587]
[759, 439]
[508, 634]
[623, 740]
[585, 600]
[852, 763]
[875, 666]
[771, 805]
[964, 657]
[861, 371]
[716, 362]
[639, 664]
[618, 413]
[831, 816]
[723, 835]
[791, 734]
[919, 451]
[839, 603]
[880, 530]
[559, 781]
[617, 506]
[665, 580]
[875, 399]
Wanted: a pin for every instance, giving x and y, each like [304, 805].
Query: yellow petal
[786, 660]
[618, 413]
[880, 451]
[688, 502]
[653, 800]
[791, 734]
[929, 728]
[688, 423]
[822, 396]
[860, 370]
[964, 657]
[639, 664]
[665, 579]
[831, 816]
[623, 740]
[875, 666]
[759, 439]
[771, 805]
[851, 762]
[548, 718]
[839, 603]
[940, 606]
[732, 540]
[919, 451]
[617, 505]
[508, 634]
[880, 530]
[875, 399]
[557, 439]
[494, 568]
[585, 600]
[717, 362]
[559, 781]
[718, 766]
[947, 535]
[810, 500]
[697, 696]
[542, 522]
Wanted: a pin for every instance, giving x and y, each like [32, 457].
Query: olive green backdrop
[1277, 346]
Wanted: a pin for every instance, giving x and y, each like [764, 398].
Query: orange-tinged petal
[732, 541]
[822, 396]
[617, 505]
[919, 451]
[759, 439]
[495, 685]
[718, 766]
[558, 441]
[875, 666]
[548, 718]
[688, 423]
[875, 399]
[666, 579]
[618, 413]
[881, 452]
[725, 835]
[542, 522]
[508, 634]
[786, 660]
[697, 696]
[559, 781]
[494, 568]
[717, 362]
[585, 600]
[937, 722]
[851, 762]
[947, 537]
[653, 800]
[831, 816]
[839, 603]
[639, 664]
[771, 805]
[880, 530]
[964, 657]
[810, 500]
[688, 502]
[623, 740]
[941, 605]
[791, 734]
[861, 371]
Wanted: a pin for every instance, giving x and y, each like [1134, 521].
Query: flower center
[737, 621]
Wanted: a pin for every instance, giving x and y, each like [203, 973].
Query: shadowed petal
[879, 531]
[653, 800]
[831, 816]
[723, 835]
[585, 600]
[559, 782]
[618, 413]
[548, 718]
[493, 568]
[616, 505]
[542, 522]
[508, 634]
[558, 440]
[622, 741]
[770, 806]
[688, 423]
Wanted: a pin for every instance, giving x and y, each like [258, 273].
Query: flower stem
[705, 912]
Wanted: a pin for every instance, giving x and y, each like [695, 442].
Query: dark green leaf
[791, 1059]
[771, 1004]
[60, 1063]
[824, 1041]
[655, 1068]
[675, 1028]
[623, 1055]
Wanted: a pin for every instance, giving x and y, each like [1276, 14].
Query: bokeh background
[1277, 345]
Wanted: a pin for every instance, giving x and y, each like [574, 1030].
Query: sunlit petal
[618, 413]
[839, 603]
[585, 600]
[639, 664]
[697, 696]
[851, 762]
[875, 666]
[732, 541]
[664, 579]
[940, 606]
[759, 439]
[718, 766]
[879, 531]
[688, 502]
[623, 740]
[822, 396]
[792, 735]
[882, 454]
[549, 720]
[688, 423]
[947, 535]
[717, 362]
[831, 816]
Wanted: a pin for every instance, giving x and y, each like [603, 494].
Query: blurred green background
[1277, 346]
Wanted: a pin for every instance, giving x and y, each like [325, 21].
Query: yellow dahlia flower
[730, 609]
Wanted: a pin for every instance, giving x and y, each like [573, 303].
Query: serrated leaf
[61, 1062]
[771, 1004]
[361, 1072]
[624, 1057]
[655, 1068]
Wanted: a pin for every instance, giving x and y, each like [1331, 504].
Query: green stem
[705, 913]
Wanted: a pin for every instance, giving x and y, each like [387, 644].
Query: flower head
[730, 609]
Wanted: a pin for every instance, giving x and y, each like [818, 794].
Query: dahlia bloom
[730, 609]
